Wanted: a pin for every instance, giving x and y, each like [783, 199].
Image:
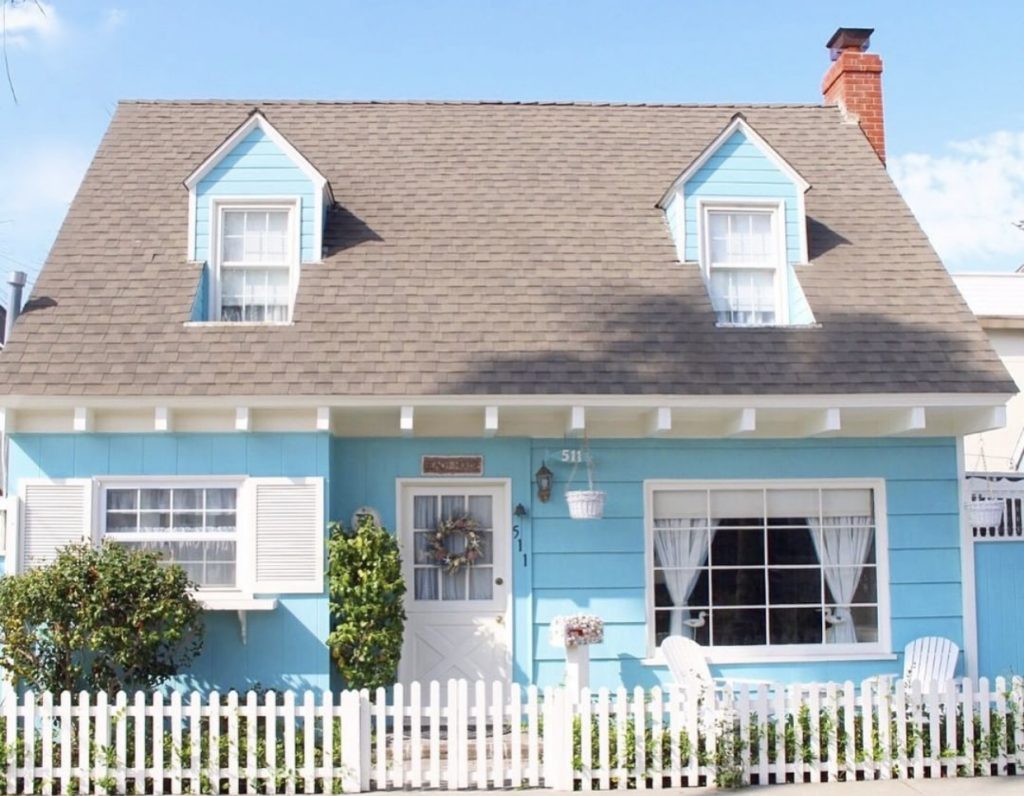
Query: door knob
[500, 619]
[499, 581]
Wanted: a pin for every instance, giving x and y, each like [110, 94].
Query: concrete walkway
[929, 787]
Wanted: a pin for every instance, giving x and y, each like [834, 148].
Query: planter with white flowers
[585, 504]
[577, 632]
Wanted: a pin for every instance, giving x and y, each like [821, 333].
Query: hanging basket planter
[985, 512]
[585, 504]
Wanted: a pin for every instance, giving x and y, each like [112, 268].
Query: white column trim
[968, 585]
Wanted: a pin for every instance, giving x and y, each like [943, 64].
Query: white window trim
[879, 650]
[777, 209]
[244, 558]
[218, 206]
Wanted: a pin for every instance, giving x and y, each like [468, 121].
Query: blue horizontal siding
[286, 647]
[256, 167]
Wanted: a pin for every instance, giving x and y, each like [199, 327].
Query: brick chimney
[854, 83]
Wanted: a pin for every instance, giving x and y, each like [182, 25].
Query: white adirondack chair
[688, 663]
[928, 659]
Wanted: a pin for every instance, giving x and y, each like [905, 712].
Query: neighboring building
[993, 461]
[998, 302]
[258, 316]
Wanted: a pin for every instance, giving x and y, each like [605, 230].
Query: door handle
[500, 619]
[499, 581]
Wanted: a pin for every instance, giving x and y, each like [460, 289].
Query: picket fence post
[352, 740]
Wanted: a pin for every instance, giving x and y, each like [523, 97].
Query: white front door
[458, 623]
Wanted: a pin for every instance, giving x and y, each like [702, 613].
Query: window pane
[234, 223]
[791, 546]
[453, 585]
[737, 587]
[425, 579]
[737, 503]
[739, 547]
[788, 586]
[846, 503]
[479, 508]
[867, 586]
[156, 498]
[188, 522]
[793, 503]
[424, 511]
[184, 499]
[234, 249]
[481, 583]
[740, 627]
[743, 296]
[221, 520]
[206, 563]
[122, 499]
[221, 499]
[122, 522]
[741, 238]
[795, 625]
[680, 504]
[154, 521]
[452, 506]
[865, 624]
[676, 547]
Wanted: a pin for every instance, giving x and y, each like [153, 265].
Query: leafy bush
[105, 618]
[366, 587]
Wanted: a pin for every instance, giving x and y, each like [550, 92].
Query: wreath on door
[463, 526]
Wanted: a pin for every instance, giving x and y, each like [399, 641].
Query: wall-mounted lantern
[543, 477]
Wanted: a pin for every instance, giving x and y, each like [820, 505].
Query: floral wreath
[469, 529]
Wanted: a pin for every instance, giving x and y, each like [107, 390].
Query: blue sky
[952, 83]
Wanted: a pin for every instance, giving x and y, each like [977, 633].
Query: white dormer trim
[739, 123]
[322, 194]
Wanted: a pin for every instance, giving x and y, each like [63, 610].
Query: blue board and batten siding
[256, 167]
[564, 565]
[999, 566]
[286, 647]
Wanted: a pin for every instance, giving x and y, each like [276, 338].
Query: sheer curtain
[842, 551]
[682, 543]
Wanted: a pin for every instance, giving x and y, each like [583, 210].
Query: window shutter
[289, 530]
[54, 515]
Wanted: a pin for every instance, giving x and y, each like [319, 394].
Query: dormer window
[744, 257]
[256, 263]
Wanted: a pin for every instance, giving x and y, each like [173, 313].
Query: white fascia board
[562, 400]
[737, 123]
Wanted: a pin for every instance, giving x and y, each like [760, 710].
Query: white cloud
[968, 198]
[27, 21]
[113, 18]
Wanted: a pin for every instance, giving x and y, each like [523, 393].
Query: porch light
[543, 477]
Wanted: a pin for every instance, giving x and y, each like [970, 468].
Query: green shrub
[98, 619]
[366, 587]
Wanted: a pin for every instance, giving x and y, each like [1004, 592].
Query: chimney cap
[17, 278]
[849, 39]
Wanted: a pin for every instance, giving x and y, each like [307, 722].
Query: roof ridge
[510, 103]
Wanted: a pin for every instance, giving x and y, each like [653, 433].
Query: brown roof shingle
[490, 249]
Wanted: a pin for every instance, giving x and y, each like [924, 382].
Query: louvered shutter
[54, 515]
[288, 517]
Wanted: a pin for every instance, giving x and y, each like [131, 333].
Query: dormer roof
[737, 123]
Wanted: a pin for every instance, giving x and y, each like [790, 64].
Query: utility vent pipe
[17, 282]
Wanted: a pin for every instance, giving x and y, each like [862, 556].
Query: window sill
[722, 325]
[235, 324]
[767, 660]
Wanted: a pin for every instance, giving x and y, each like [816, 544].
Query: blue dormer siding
[257, 168]
[740, 170]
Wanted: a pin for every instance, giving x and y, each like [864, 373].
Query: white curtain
[682, 546]
[842, 549]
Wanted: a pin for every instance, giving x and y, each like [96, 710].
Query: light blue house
[259, 319]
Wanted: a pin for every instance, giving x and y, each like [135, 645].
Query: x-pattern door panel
[457, 623]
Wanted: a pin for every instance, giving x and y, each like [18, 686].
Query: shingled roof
[488, 248]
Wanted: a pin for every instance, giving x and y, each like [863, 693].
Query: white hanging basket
[586, 504]
[985, 512]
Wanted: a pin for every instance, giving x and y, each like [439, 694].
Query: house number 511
[572, 455]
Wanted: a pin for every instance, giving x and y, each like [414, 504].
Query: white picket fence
[475, 735]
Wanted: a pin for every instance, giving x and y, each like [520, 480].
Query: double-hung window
[783, 568]
[193, 525]
[744, 261]
[257, 259]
